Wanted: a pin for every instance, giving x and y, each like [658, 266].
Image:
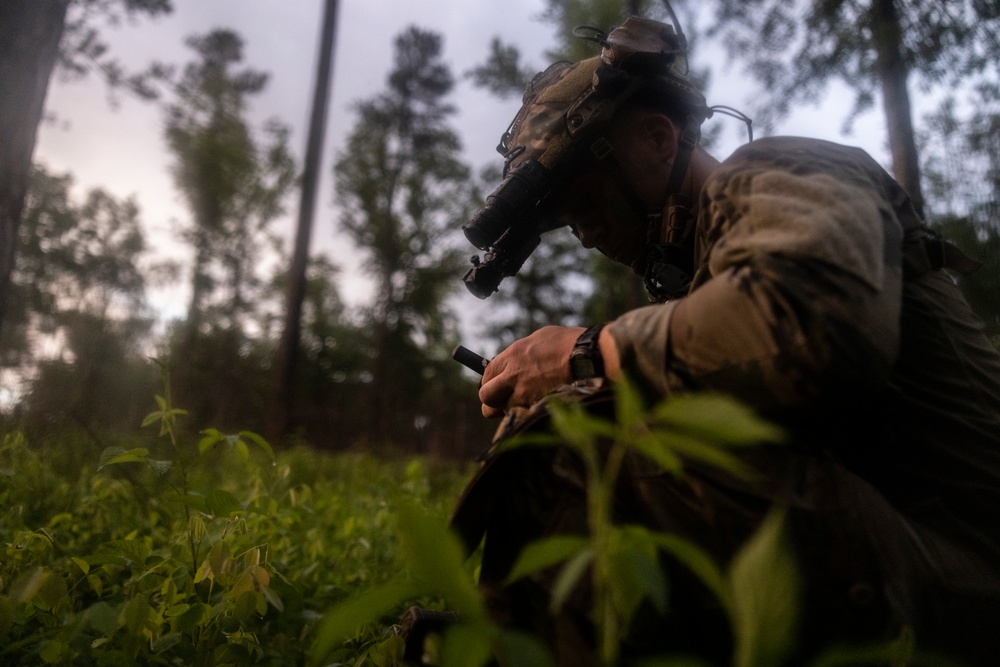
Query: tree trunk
[285, 371]
[29, 43]
[892, 73]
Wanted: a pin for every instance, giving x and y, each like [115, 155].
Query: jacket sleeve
[797, 296]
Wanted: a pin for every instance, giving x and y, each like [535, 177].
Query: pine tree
[402, 189]
[234, 182]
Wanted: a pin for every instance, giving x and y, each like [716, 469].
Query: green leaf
[765, 584]
[699, 448]
[343, 620]
[27, 584]
[531, 439]
[630, 408]
[160, 467]
[51, 591]
[212, 566]
[435, 558]
[193, 617]
[152, 418]
[388, 653]
[652, 446]
[221, 503]
[518, 649]
[545, 553]
[96, 584]
[135, 550]
[54, 652]
[579, 428]
[698, 561]
[116, 455]
[211, 438]
[272, 598]
[718, 418]
[137, 616]
[635, 571]
[259, 441]
[465, 645]
[568, 578]
[7, 613]
[82, 564]
[166, 642]
[242, 450]
[246, 605]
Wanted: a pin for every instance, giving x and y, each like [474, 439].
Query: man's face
[607, 203]
[602, 216]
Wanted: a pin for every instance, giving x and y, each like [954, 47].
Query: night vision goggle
[558, 127]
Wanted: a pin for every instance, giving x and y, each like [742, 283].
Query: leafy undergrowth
[212, 552]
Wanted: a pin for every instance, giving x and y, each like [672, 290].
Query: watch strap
[585, 360]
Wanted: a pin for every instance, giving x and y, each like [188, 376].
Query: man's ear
[661, 132]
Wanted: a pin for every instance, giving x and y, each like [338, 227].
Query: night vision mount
[639, 54]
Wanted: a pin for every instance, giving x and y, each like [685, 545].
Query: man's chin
[638, 265]
[619, 256]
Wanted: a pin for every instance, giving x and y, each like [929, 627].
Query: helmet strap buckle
[601, 149]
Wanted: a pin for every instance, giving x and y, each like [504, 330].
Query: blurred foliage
[74, 257]
[192, 551]
[961, 164]
[83, 49]
[234, 183]
[794, 49]
[404, 193]
[77, 316]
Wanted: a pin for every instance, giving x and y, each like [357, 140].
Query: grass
[176, 556]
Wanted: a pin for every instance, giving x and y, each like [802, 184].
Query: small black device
[474, 362]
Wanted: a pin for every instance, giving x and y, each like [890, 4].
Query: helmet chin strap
[669, 260]
[668, 264]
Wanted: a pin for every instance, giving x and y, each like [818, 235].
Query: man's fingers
[495, 393]
[492, 413]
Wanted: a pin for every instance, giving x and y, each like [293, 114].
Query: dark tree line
[375, 376]
[77, 331]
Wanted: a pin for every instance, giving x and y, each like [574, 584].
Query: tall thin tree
[36, 38]
[29, 35]
[284, 394]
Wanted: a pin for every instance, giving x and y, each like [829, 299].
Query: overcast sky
[123, 150]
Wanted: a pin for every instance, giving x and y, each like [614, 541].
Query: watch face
[582, 367]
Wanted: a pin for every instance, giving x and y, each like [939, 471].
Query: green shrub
[214, 552]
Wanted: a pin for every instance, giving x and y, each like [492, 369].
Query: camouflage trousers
[868, 573]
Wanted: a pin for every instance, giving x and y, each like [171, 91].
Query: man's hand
[527, 370]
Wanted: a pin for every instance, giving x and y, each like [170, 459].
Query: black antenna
[591, 34]
[681, 38]
[733, 113]
[673, 19]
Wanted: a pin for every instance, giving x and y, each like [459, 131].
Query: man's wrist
[585, 360]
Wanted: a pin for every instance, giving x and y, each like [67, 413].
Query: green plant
[204, 551]
[621, 559]
[759, 589]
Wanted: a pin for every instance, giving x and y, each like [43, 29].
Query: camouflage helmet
[565, 107]
[564, 112]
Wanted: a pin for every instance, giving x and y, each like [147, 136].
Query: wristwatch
[585, 361]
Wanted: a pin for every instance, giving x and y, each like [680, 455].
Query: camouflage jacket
[799, 307]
